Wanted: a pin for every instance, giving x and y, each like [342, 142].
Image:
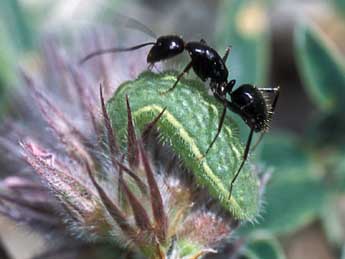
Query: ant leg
[275, 90]
[185, 70]
[150, 66]
[227, 51]
[276, 97]
[275, 100]
[230, 86]
[259, 140]
[245, 156]
[273, 107]
[220, 125]
[158, 70]
[153, 66]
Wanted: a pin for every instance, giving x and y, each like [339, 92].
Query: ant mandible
[248, 101]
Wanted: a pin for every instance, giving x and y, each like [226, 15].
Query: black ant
[247, 101]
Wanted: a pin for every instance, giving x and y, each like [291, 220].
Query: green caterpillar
[188, 125]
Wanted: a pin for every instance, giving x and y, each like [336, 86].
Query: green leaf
[321, 66]
[15, 37]
[292, 203]
[339, 6]
[17, 23]
[319, 133]
[336, 178]
[243, 25]
[285, 151]
[343, 252]
[263, 245]
[7, 74]
[295, 195]
[188, 126]
[332, 221]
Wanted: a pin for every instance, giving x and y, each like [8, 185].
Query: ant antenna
[112, 50]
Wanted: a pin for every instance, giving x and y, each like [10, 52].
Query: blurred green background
[298, 45]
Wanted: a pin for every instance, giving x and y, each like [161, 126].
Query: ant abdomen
[166, 47]
[252, 106]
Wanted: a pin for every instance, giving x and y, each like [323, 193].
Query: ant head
[252, 106]
[165, 47]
